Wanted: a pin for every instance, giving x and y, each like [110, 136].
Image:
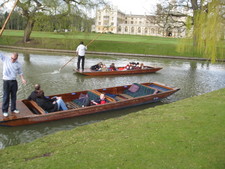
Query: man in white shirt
[81, 49]
[11, 68]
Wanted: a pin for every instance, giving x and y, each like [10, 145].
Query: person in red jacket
[101, 100]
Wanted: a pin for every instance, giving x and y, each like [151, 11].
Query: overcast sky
[139, 7]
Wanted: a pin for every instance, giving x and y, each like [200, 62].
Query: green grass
[185, 134]
[102, 42]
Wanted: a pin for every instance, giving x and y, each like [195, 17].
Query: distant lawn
[102, 42]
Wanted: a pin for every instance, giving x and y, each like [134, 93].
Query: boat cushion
[143, 90]
[133, 88]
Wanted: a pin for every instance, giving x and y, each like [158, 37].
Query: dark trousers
[10, 88]
[80, 58]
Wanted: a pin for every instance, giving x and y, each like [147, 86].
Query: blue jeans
[82, 58]
[61, 104]
[10, 88]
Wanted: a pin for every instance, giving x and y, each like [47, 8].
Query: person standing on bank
[80, 51]
[11, 68]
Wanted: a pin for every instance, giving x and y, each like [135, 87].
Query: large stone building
[114, 21]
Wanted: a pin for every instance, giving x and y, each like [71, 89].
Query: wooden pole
[7, 19]
[75, 55]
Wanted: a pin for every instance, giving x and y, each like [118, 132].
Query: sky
[136, 7]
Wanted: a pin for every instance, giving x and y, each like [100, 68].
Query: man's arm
[2, 57]
[22, 78]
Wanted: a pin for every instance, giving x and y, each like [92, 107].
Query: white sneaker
[5, 114]
[16, 111]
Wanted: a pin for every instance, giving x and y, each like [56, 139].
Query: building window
[126, 29]
[153, 31]
[146, 30]
[131, 22]
[132, 29]
[106, 23]
[112, 23]
[139, 30]
[106, 17]
[119, 29]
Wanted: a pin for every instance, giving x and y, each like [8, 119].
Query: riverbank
[107, 43]
[185, 134]
[104, 53]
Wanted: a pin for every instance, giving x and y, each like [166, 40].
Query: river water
[192, 77]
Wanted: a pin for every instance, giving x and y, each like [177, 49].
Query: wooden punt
[117, 97]
[146, 69]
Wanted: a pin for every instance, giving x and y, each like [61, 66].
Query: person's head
[37, 86]
[40, 93]
[82, 42]
[14, 57]
[102, 96]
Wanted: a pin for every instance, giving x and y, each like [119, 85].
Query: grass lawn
[186, 134]
[102, 42]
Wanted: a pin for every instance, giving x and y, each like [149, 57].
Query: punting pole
[7, 19]
[86, 45]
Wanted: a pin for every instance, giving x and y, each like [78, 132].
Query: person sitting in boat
[103, 68]
[137, 66]
[101, 100]
[142, 66]
[97, 66]
[33, 95]
[50, 105]
[127, 67]
[132, 65]
[112, 67]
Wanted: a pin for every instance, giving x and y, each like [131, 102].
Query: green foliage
[208, 30]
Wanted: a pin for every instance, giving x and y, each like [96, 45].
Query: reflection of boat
[146, 69]
[116, 97]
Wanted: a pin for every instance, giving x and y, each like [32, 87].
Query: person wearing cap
[80, 51]
[11, 68]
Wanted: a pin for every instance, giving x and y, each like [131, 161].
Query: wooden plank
[120, 98]
[72, 105]
[38, 108]
[126, 96]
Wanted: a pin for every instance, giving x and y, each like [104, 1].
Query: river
[192, 77]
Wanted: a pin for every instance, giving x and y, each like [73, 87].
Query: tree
[31, 10]
[204, 20]
[169, 18]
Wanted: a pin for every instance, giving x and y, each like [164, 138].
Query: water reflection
[194, 78]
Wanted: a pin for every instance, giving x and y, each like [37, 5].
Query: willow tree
[30, 8]
[204, 23]
[209, 29]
